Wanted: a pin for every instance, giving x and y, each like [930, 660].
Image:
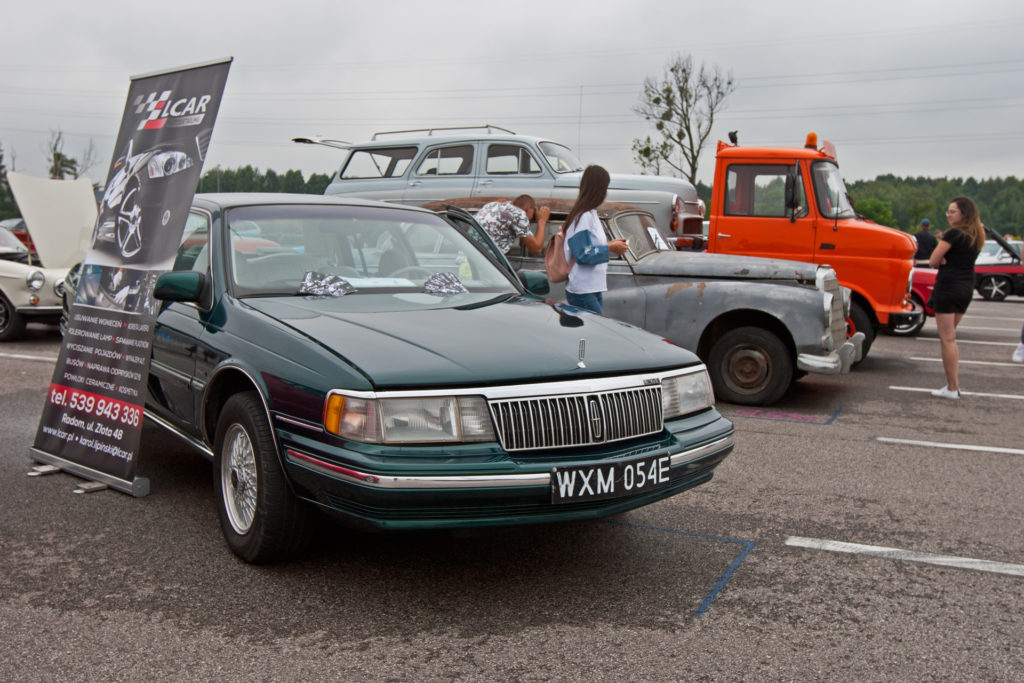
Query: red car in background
[20, 230]
[993, 281]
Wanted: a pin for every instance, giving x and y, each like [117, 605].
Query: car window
[510, 160]
[457, 160]
[194, 250]
[759, 190]
[369, 248]
[378, 163]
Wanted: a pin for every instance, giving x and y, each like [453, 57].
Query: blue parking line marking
[729, 571]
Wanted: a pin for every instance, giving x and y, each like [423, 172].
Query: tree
[682, 108]
[61, 165]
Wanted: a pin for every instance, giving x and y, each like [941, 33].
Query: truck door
[444, 172]
[752, 218]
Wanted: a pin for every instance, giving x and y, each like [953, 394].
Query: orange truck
[791, 203]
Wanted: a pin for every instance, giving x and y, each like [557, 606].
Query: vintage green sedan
[385, 365]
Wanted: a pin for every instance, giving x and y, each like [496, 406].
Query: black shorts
[951, 297]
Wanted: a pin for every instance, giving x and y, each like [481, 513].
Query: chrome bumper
[838, 362]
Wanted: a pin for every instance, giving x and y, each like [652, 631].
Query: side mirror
[534, 281]
[180, 286]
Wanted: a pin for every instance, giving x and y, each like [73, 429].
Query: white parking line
[22, 356]
[962, 393]
[968, 341]
[972, 362]
[951, 446]
[1015, 330]
[907, 555]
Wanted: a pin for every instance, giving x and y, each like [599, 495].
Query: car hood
[628, 181]
[59, 215]
[512, 339]
[719, 266]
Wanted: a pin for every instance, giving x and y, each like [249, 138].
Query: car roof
[227, 200]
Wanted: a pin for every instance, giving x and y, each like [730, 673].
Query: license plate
[609, 480]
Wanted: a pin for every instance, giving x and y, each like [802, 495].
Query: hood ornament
[583, 352]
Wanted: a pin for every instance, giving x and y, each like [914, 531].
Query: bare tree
[682, 108]
[61, 165]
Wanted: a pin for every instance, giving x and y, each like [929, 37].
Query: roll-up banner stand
[91, 423]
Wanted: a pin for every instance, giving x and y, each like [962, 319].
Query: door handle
[414, 183]
[486, 182]
[722, 234]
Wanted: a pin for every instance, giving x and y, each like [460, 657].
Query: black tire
[994, 287]
[12, 323]
[911, 329]
[860, 321]
[750, 366]
[260, 517]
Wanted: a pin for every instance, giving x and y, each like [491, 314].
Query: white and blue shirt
[585, 241]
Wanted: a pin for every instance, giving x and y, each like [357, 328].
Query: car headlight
[430, 419]
[35, 280]
[168, 163]
[687, 393]
[58, 287]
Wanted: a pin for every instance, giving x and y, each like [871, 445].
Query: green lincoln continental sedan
[385, 365]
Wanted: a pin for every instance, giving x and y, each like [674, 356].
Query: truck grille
[525, 424]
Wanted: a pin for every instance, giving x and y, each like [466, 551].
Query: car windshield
[833, 200]
[8, 242]
[641, 232]
[560, 157]
[314, 250]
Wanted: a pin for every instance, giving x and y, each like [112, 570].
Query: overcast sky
[905, 87]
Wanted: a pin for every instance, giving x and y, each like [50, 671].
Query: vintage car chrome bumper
[836, 363]
[906, 319]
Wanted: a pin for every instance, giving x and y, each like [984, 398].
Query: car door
[509, 170]
[172, 383]
[442, 172]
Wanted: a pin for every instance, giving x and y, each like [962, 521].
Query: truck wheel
[994, 288]
[261, 519]
[12, 323]
[860, 321]
[750, 366]
[911, 329]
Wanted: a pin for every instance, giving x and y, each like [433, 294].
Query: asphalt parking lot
[861, 528]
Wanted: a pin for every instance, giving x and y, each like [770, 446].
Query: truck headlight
[430, 419]
[35, 280]
[686, 393]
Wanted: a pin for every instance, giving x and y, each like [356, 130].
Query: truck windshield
[561, 158]
[833, 200]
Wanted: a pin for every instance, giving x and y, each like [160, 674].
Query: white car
[59, 215]
[993, 253]
[27, 290]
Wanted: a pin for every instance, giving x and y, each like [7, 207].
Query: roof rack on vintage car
[430, 131]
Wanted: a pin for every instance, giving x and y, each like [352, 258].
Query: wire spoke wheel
[239, 479]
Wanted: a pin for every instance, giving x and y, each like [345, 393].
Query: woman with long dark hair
[586, 245]
[954, 284]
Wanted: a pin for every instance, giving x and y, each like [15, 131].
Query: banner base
[138, 487]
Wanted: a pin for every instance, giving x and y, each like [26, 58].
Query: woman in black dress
[954, 284]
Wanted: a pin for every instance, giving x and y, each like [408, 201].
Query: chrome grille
[525, 424]
[830, 284]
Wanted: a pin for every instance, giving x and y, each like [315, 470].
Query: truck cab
[791, 203]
